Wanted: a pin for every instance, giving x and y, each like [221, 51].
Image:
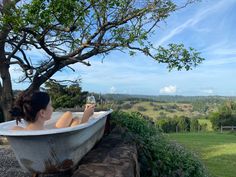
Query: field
[217, 151]
[157, 110]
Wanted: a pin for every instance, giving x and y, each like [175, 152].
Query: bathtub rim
[25, 133]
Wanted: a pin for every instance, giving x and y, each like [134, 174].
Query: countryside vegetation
[69, 32]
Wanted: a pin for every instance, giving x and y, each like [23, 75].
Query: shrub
[162, 115]
[126, 106]
[155, 109]
[167, 125]
[157, 156]
[194, 125]
[152, 104]
[141, 108]
[183, 124]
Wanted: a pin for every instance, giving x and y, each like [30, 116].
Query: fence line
[227, 127]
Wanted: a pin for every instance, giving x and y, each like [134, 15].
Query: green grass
[217, 151]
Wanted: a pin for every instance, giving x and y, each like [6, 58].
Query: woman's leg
[75, 121]
[65, 120]
[88, 112]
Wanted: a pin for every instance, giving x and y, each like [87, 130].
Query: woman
[36, 108]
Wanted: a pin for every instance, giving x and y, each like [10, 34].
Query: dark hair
[28, 105]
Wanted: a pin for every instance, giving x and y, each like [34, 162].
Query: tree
[73, 31]
[225, 116]
[67, 96]
[183, 124]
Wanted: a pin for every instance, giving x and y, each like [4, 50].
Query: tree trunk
[6, 93]
[6, 96]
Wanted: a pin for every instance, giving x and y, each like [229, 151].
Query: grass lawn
[217, 151]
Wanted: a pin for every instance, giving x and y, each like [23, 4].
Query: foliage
[126, 106]
[225, 116]
[178, 124]
[158, 157]
[183, 124]
[141, 108]
[65, 96]
[72, 31]
[167, 125]
[200, 106]
[154, 100]
[194, 124]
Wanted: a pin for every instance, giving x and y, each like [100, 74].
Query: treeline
[168, 98]
[225, 115]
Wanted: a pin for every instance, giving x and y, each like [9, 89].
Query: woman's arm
[88, 112]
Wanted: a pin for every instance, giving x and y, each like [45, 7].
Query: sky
[208, 26]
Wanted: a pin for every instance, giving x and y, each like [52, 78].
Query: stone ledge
[111, 157]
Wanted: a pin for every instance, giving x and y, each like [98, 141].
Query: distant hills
[168, 98]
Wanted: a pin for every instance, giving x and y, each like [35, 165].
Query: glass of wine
[90, 100]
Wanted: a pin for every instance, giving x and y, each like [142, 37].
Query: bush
[126, 106]
[152, 104]
[155, 109]
[194, 125]
[167, 125]
[157, 156]
[183, 124]
[141, 108]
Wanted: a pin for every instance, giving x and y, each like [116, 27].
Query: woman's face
[48, 111]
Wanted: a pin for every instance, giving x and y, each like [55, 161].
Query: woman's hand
[88, 112]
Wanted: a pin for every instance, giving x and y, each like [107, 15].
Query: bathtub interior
[6, 127]
[55, 116]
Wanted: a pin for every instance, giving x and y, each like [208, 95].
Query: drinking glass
[90, 100]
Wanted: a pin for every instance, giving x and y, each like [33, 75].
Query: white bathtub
[54, 150]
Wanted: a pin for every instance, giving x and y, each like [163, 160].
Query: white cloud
[168, 89]
[208, 91]
[112, 89]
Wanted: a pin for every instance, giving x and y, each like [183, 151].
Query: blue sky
[208, 26]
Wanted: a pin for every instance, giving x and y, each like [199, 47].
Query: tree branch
[17, 47]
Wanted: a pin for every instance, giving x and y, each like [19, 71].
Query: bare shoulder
[18, 128]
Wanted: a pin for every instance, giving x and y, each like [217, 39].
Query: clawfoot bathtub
[54, 150]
